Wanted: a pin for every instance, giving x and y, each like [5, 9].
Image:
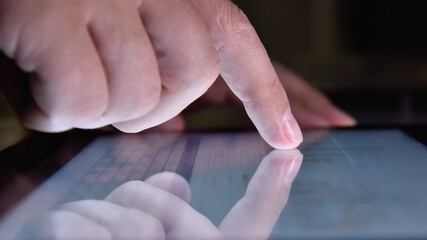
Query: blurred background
[369, 56]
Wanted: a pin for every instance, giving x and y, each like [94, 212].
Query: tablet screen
[352, 183]
[359, 184]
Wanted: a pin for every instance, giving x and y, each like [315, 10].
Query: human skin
[311, 108]
[136, 64]
[159, 208]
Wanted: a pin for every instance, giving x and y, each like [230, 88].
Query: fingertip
[280, 142]
[36, 119]
[291, 128]
[289, 133]
[277, 138]
[173, 183]
[276, 125]
[287, 162]
[127, 127]
[340, 118]
[309, 120]
[175, 124]
[292, 168]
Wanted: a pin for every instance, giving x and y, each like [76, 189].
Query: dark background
[369, 56]
[342, 44]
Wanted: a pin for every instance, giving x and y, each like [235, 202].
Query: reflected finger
[173, 183]
[121, 222]
[64, 225]
[255, 215]
[179, 220]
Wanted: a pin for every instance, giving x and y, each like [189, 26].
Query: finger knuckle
[75, 107]
[86, 107]
[213, 70]
[206, 75]
[150, 227]
[196, 76]
[215, 234]
[232, 19]
[131, 186]
[154, 229]
[266, 89]
[150, 98]
[140, 100]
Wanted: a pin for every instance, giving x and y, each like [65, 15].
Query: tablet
[352, 184]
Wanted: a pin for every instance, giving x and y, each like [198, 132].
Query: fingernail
[290, 126]
[291, 169]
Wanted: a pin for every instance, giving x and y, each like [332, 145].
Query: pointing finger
[255, 215]
[248, 71]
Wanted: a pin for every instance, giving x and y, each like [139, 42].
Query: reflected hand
[159, 208]
[97, 219]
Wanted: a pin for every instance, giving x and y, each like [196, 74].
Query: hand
[311, 108]
[136, 64]
[159, 208]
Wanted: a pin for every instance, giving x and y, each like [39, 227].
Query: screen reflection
[232, 186]
[159, 208]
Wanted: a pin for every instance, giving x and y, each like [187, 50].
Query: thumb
[247, 70]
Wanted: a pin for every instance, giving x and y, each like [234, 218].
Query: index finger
[256, 213]
[247, 70]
